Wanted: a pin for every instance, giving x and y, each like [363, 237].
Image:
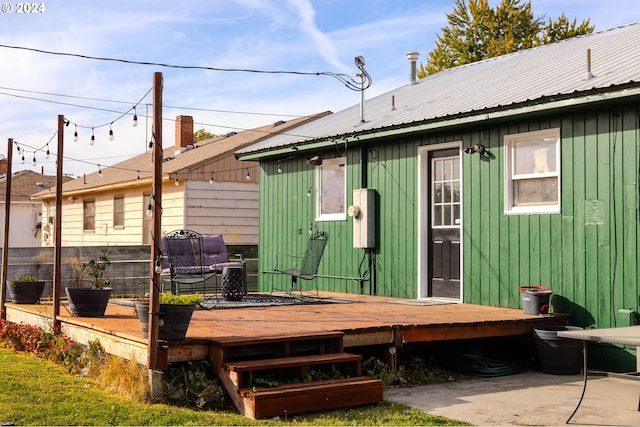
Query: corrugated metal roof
[525, 76]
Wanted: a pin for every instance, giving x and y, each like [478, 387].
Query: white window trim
[342, 216]
[509, 140]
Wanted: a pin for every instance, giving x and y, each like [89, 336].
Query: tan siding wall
[227, 208]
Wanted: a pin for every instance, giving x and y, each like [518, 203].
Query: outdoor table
[627, 335]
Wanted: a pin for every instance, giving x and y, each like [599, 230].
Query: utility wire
[208, 110]
[348, 81]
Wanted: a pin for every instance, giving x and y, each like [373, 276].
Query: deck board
[367, 320]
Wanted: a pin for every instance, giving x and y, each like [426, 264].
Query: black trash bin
[557, 355]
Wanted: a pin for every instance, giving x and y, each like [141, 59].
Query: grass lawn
[37, 392]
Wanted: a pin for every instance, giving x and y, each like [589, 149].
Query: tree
[202, 134]
[476, 31]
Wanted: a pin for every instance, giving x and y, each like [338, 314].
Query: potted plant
[92, 300]
[25, 290]
[175, 315]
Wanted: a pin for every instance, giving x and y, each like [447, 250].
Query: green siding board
[587, 255]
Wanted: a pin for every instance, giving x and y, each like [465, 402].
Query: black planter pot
[25, 292]
[174, 320]
[88, 302]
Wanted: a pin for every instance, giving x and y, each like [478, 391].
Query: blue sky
[286, 35]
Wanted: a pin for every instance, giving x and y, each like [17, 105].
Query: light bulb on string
[158, 266]
[93, 137]
[149, 210]
[99, 171]
[135, 117]
[248, 175]
[211, 179]
[138, 178]
[23, 158]
[75, 134]
[110, 132]
[279, 168]
[48, 154]
[177, 182]
[34, 158]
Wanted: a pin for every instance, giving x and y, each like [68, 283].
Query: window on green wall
[532, 172]
[331, 190]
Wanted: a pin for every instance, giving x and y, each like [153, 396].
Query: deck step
[290, 362]
[234, 341]
[315, 396]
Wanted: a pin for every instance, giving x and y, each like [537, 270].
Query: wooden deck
[366, 321]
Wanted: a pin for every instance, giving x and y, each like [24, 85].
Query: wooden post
[57, 249]
[5, 244]
[156, 200]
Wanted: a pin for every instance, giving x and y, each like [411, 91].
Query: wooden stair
[292, 374]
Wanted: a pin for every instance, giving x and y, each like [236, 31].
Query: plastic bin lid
[535, 290]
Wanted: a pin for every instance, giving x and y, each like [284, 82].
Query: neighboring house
[204, 188]
[25, 217]
[520, 170]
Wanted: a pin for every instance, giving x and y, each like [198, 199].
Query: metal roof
[534, 75]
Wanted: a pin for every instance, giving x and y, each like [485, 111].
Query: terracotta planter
[88, 302]
[25, 292]
[174, 320]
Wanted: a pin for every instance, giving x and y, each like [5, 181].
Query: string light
[135, 117]
[99, 171]
[93, 137]
[279, 168]
[34, 158]
[48, 154]
[138, 178]
[248, 175]
[23, 157]
[75, 134]
[211, 179]
[177, 182]
[158, 266]
[309, 192]
[110, 132]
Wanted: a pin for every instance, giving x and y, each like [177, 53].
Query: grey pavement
[528, 399]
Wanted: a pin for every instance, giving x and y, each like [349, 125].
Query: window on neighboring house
[89, 215]
[532, 172]
[331, 190]
[118, 211]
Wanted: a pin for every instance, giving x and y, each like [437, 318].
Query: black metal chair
[184, 255]
[306, 265]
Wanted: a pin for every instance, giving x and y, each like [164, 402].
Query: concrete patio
[530, 398]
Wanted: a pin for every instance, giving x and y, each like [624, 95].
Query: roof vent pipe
[413, 58]
[589, 75]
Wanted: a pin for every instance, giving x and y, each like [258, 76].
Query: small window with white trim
[532, 172]
[331, 190]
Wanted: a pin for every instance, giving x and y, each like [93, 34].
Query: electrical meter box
[363, 212]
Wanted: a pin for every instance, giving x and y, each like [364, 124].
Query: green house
[471, 183]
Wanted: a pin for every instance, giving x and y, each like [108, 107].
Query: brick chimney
[184, 132]
[4, 165]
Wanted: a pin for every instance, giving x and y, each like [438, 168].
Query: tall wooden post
[5, 244]
[156, 200]
[57, 252]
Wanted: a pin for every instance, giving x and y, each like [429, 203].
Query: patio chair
[306, 265]
[185, 262]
